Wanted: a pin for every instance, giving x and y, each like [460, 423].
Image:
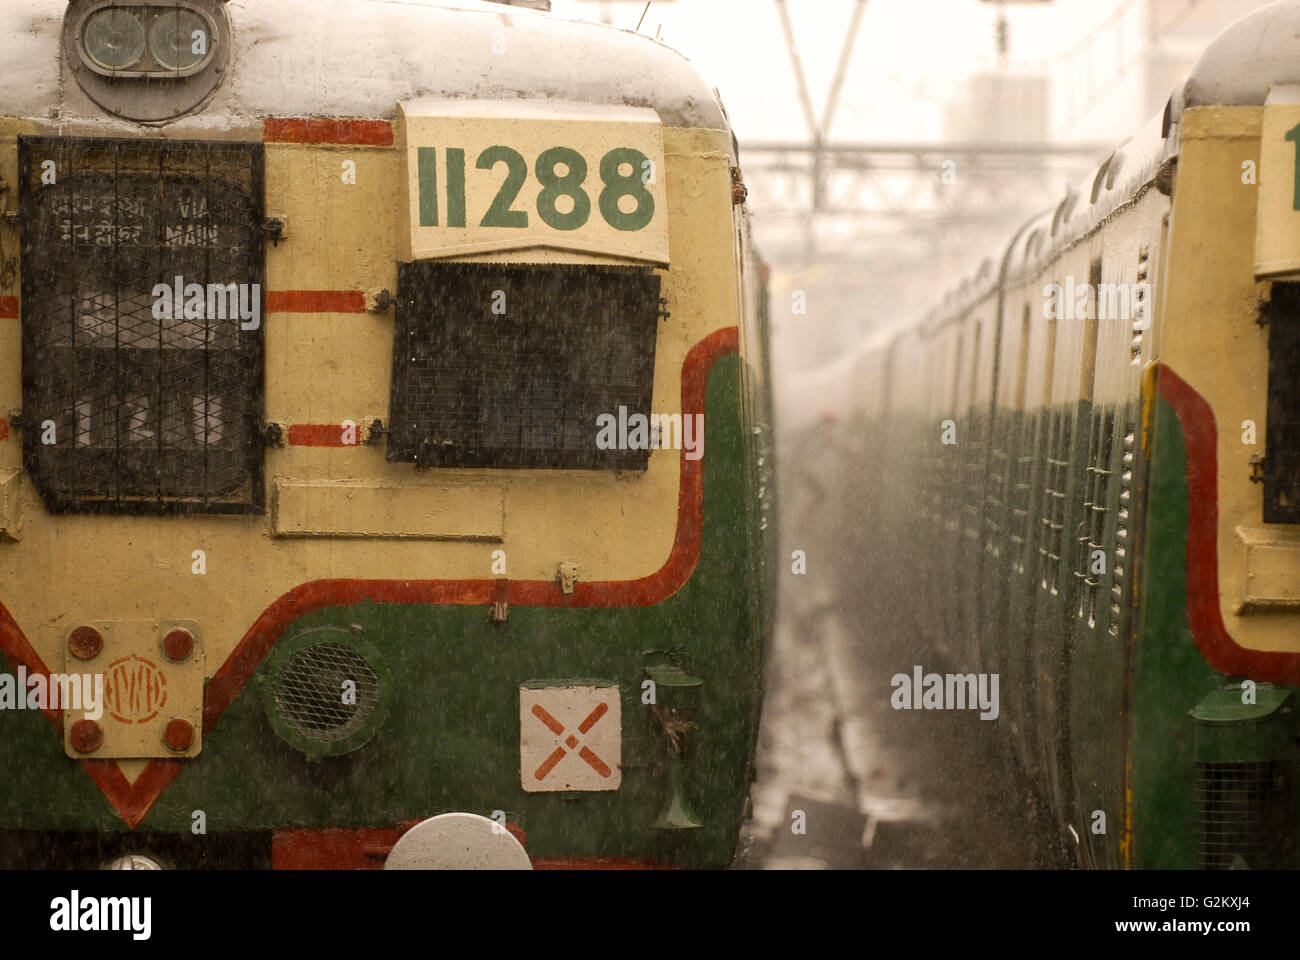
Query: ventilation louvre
[1242, 778]
[326, 691]
[308, 691]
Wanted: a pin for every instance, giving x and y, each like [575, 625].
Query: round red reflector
[85, 643]
[179, 734]
[178, 644]
[87, 736]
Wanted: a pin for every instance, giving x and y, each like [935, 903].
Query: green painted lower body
[1099, 668]
[451, 739]
[1170, 676]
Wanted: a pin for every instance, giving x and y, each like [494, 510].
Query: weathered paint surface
[1213, 341]
[1170, 674]
[451, 742]
[328, 367]
[666, 558]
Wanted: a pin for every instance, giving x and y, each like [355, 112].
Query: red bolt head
[178, 644]
[85, 643]
[87, 736]
[179, 734]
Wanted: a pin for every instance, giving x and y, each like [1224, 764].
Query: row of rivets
[87, 736]
[85, 643]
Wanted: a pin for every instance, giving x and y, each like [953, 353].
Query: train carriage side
[1137, 559]
[1163, 630]
[1020, 396]
[982, 462]
[949, 449]
[1085, 307]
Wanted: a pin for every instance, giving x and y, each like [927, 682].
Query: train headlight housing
[180, 40]
[113, 39]
[147, 60]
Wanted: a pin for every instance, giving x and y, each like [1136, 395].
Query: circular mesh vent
[310, 693]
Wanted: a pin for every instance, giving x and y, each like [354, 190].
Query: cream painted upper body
[1212, 339]
[327, 368]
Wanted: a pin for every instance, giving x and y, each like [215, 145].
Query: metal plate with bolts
[151, 674]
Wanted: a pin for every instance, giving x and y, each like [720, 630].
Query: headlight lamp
[114, 38]
[182, 40]
[147, 60]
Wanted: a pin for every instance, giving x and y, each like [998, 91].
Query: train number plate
[501, 177]
[1277, 213]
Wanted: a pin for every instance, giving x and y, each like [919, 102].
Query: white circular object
[458, 841]
[134, 861]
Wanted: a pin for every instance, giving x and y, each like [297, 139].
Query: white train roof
[358, 58]
[1260, 50]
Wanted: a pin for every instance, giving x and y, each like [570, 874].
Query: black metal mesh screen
[135, 400]
[1243, 816]
[510, 366]
[1282, 460]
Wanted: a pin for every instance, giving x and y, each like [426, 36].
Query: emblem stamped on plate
[135, 690]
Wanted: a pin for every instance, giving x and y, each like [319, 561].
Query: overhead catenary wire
[1095, 97]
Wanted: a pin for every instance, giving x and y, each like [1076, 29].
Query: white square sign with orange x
[570, 738]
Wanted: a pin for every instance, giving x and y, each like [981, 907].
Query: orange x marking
[557, 728]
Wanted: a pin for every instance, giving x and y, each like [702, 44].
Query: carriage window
[520, 365]
[141, 317]
[1282, 456]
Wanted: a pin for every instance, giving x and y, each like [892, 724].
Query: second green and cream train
[1087, 463]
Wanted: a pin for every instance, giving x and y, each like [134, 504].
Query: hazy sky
[911, 57]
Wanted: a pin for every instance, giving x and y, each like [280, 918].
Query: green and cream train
[384, 427]
[1084, 476]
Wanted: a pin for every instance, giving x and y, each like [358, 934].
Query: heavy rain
[588, 435]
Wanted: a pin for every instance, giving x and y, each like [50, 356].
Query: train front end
[380, 470]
